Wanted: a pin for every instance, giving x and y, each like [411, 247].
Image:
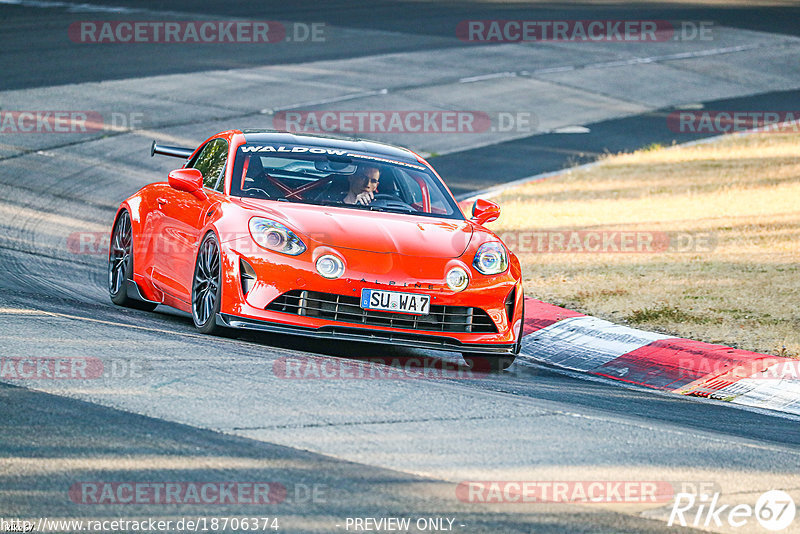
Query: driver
[363, 185]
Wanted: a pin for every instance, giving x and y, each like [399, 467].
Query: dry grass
[743, 191]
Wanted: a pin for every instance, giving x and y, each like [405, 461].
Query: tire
[495, 363]
[207, 286]
[518, 346]
[120, 265]
[488, 363]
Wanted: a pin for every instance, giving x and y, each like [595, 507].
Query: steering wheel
[386, 196]
[385, 199]
[258, 189]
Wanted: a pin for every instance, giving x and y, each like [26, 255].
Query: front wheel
[496, 363]
[206, 286]
[487, 363]
[518, 345]
[120, 265]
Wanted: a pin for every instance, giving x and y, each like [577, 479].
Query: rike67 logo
[774, 510]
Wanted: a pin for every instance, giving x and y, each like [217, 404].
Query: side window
[414, 189]
[211, 163]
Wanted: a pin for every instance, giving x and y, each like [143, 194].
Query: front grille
[347, 309]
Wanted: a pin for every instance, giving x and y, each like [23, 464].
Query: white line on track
[341, 98]
[631, 61]
[483, 77]
[25, 311]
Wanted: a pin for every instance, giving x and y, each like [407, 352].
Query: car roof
[355, 145]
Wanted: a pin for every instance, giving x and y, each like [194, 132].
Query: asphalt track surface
[213, 409]
[59, 61]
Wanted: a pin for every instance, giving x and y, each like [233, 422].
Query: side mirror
[188, 180]
[484, 211]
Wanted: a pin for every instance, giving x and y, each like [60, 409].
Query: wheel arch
[229, 266]
[133, 206]
[142, 251]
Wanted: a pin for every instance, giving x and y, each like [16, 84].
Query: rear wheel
[120, 265]
[206, 286]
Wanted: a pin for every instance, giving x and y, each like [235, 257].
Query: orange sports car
[321, 237]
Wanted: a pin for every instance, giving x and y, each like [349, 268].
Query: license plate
[393, 301]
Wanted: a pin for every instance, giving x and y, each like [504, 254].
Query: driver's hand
[364, 198]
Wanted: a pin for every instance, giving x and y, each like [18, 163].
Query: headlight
[491, 258]
[457, 279]
[330, 266]
[275, 236]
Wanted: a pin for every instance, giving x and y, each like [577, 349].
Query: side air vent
[510, 300]
[248, 276]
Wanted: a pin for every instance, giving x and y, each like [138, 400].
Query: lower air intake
[347, 309]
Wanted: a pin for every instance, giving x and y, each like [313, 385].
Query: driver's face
[366, 181]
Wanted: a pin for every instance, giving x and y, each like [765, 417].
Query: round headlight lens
[491, 258]
[330, 266]
[457, 279]
[275, 236]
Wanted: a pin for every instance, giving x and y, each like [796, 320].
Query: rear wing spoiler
[174, 151]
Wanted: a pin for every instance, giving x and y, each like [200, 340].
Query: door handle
[161, 201]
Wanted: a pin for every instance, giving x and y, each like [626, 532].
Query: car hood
[371, 231]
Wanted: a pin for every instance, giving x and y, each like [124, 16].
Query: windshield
[314, 175]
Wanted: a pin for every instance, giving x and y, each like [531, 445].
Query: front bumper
[344, 333]
[261, 303]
